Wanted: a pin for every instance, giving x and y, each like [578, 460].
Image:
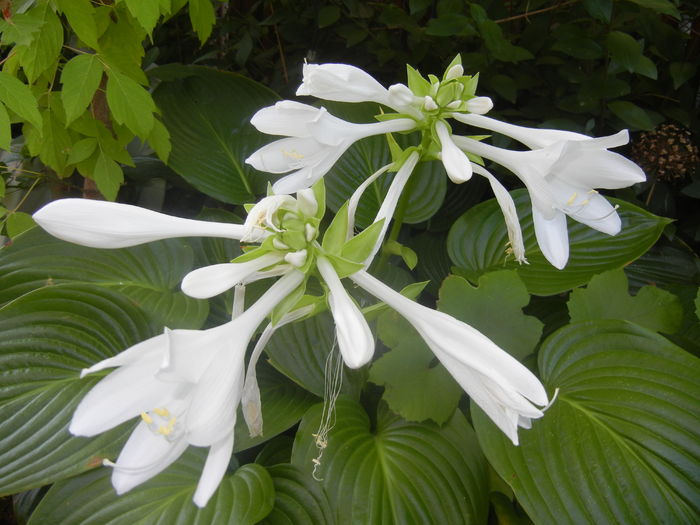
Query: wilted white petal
[355, 339]
[215, 279]
[457, 164]
[214, 469]
[101, 224]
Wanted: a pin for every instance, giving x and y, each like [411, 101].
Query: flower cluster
[186, 385]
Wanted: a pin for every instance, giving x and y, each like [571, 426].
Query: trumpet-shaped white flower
[505, 389]
[261, 216]
[342, 83]
[101, 224]
[315, 141]
[355, 339]
[561, 178]
[186, 386]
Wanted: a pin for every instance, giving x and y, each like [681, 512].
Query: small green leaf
[414, 387]
[5, 130]
[19, 98]
[243, 498]
[18, 222]
[121, 48]
[55, 143]
[45, 47]
[130, 104]
[681, 72]
[202, 17]
[607, 297]
[660, 6]
[624, 50]
[108, 176]
[159, 140]
[500, 295]
[147, 13]
[82, 150]
[21, 28]
[81, 17]
[359, 247]
[600, 9]
[343, 267]
[631, 114]
[80, 77]
[328, 15]
[336, 233]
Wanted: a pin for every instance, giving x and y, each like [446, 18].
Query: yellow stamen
[572, 199]
[162, 412]
[148, 419]
[585, 202]
[292, 154]
[163, 431]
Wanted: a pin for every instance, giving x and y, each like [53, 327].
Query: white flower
[101, 224]
[478, 105]
[342, 83]
[355, 339]
[456, 163]
[505, 389]
[262, 216]
[561, 178]
[315, 141]
[186, 385]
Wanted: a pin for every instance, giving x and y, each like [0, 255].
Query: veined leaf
[81, 17]
[130, 103]
[43, 52]
[80, 78]
[17, 96]
[202, 17]
[147, 13]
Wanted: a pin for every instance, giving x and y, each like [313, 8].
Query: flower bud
[479, 105]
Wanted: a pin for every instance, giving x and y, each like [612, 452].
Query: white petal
[306, 201]
[286, 117]
[306, 177]
[155, 346]
[552, 237]
[457, 165]
[479, 105]
[144, 455]
[357, 195]
[598, 214]
[342, 83]
[288, 154]
[214, 469]
[355, 339]
[101, 224]
[333, 131]
[215, 279]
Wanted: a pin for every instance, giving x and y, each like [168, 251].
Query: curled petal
[101, 224]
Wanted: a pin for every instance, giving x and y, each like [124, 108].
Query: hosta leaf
[299, 499]
[243, 498]
[48, 336]
[36, 259]
[207, 114]
[396, 472]
[477, 242]
[620, 443]
[607, 297]
[500, 295]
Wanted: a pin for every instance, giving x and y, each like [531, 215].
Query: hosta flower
[101, 224]
[561, 177]
[315, 141]
[186, 386]
[457, 165]
[505, 389]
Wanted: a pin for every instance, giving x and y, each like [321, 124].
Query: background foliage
[148, 103]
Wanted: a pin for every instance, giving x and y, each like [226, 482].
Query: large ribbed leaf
[299, 499]
[242, 499]
[477, 244]
[621, 442]
[396, 472]
[206, 112]
[427, 185]
[48, 335]
[149, 274]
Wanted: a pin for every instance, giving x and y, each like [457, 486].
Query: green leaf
[82, 150]
[45, 48]
[619, 444]
[207, 113]
[108, 176]
[600, 9]
[121, 47]
[500, 295]
[130, 103]
[55, 142]
[5, 130]
[396, 471]
[478, 239]
[631, 114]
[359, 247]
[81, 17]
[147, 13]
[299, 499]
[626, 51]
[18, 222]
[49, 334]
[328, 15]
[494, 40]
[80, 77]
[681, 72]
[202, 17]
[414, 387]
[243, 498]
[159, 140]
[660, 6]
[19, 98]
[607, 297]
[21, 28]
[36, 259]
[336, 233]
